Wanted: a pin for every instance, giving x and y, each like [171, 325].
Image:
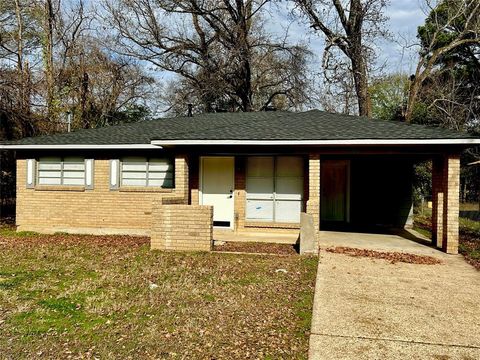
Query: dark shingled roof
[272, 125]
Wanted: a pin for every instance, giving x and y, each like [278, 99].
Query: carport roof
[313, 127]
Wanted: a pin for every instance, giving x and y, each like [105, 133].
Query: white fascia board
[80, 146]
[321, 142]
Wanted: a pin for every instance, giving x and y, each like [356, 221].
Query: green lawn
[93, 297]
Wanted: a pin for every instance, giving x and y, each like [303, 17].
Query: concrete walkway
[371, 309]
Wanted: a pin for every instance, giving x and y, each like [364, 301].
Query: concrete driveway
[372, 309]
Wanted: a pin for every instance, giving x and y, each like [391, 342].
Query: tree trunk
[360, 78]
[412, 98]
[48, 54]
[245, 71]
[84, 100]
[245, 91]
[20, 61]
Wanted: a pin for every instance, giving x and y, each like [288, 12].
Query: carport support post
[313, 202]
[445, 202]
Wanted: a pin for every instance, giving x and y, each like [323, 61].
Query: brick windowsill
[145, 189]
[58, 188]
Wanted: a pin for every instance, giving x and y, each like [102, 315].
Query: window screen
[61, 171]
[274, 188]
[140, 171]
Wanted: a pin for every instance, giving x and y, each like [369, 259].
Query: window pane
[260, 210]
[74, 166]
[49, 174]
[164, 165]
[260, 166]
[134, 171]
[134, 164]
[287, 211]
[73, 181]
[74, 174]
[160, 173]
[274, 183]
[260, 188]
[49, 181]
[49, 166]
[162, 183]
[134, 182]
[289, 188]
[289, 166]
[73, 171]
[134, 175]
[49, 171]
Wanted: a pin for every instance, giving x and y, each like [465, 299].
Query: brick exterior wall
[182, 227]
[99, 211]
[445, 202]
[129, 210]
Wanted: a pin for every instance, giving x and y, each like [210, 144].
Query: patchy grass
[469, 241]
[68, 296]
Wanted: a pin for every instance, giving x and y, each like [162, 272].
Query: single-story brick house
[258, 170]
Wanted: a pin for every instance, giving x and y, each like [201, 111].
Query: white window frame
[274, 198]
[147, 171]
[62, 171]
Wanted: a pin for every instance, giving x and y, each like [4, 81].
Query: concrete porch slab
[408, 241]
[243, 236]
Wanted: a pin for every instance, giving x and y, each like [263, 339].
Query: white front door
[217, 176]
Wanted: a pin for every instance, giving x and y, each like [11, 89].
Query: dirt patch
[257, 248]
[392, 257]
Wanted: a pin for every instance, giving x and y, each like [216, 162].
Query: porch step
[278, 238]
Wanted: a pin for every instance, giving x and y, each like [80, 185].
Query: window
[274, 188]
[61, 171]
[140, 171]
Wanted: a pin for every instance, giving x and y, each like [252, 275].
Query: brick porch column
[445, 202]
[313, 202]
[181, 177]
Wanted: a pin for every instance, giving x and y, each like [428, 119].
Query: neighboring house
[259, 171]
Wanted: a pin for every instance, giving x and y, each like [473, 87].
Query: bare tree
[213, 46]
[349, 26]
[16, 87]
[450, 25]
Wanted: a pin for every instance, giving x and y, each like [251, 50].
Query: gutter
[320, 142]
[159, 144]
[80, 146]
